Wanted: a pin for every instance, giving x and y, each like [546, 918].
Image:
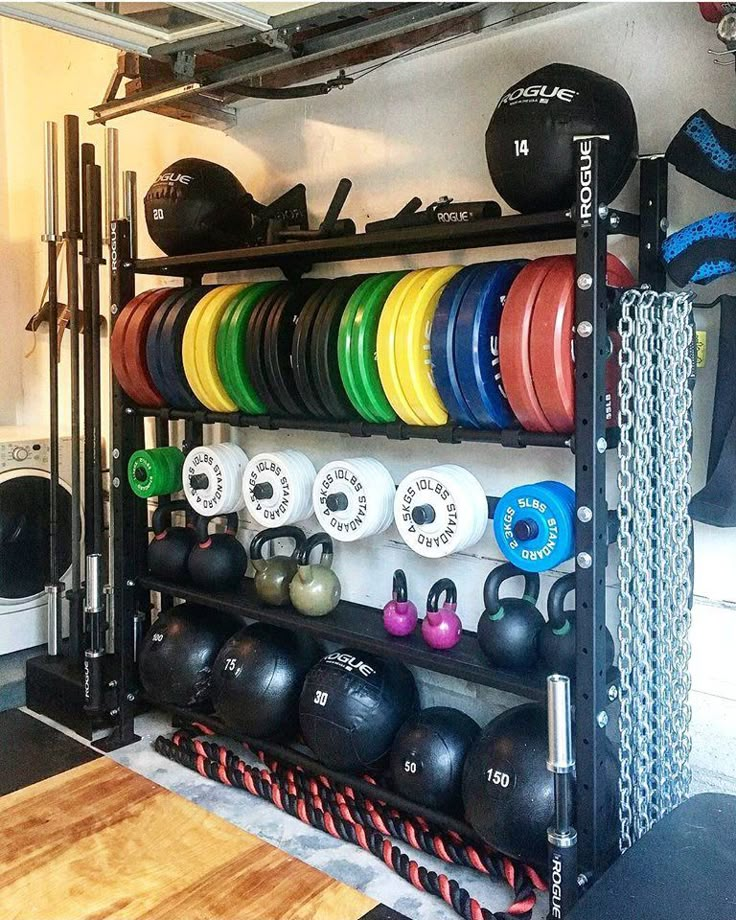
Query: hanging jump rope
[339, 811]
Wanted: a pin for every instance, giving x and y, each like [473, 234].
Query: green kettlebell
[274, 575]
[315, 589]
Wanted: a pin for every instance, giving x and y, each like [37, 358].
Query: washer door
[24, 533]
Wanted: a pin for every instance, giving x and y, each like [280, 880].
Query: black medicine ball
[198, 206]
[352, 705]
[177, 653]
[529, 141]
[257, 679]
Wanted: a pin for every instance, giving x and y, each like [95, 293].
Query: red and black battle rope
[314, 801]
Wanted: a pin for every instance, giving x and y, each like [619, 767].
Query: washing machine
[24, 534]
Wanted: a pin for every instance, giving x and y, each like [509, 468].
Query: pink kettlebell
[441, 628]
[400, 614]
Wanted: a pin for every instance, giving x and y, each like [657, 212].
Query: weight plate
[350, 498]
[278, 337]
[516, 324]
[277, 487]
[153, 345]
[117, 344]
[300, 351]
[364, 347]
[344, 347]
[189, 345]
[255, 348]
[170, 347]
[212, 478]
[206, 352]
[323, 348]
[386, 343]
[134, 354]
[231, 350]
[156, 471]
[551, 343]
[534, 525]
[436, 510]
[413, 354]
[476, 343]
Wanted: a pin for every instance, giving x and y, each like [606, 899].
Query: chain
[655, 556]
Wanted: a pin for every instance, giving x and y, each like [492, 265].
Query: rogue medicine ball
[198, 206]
[257, 679]
[352, 704]
[529, 141]
[177, 653]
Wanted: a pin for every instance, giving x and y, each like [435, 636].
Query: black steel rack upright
[589, 223]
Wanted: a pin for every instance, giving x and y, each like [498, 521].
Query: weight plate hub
[206, 350]
[170, 343]
[156, 471]
[413, 348]
[300, 351]
[551, 344]
[139, 390]
[364, 346]
[231, 348]
[534, 525]
[440, 510]
[477, 324]
[442, 346]
[514, 334]
[277, 487]
[353, 499]
[212, 477]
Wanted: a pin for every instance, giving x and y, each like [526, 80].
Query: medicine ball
[198, 206]
[529, 141]
[177, 653]
[352, 704]
[257, 679]
[428, 754]
[508, 793]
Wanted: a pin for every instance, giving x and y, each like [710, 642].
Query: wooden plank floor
[100, 842]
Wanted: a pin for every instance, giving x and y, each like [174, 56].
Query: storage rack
[589, 223]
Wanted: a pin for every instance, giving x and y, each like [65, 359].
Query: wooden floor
[100, 842]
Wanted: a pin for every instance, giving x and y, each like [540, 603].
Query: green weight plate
[159, 470]
[230, 346]
[348, 373]
[365, 326]
[300, 359]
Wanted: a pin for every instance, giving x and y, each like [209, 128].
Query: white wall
[414, 127]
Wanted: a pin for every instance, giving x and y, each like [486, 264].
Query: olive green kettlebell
[274, 575]
[315, 589]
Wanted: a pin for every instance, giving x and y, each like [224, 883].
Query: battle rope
[367, 824]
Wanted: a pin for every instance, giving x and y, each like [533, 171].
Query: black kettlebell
[169, 550]
[219, 560]
[508, 628]
[557, 642]
[273, 575]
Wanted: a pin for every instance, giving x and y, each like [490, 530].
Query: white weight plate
[479, 503]
[454, 523]
[287, 473]
[223, 493]
[387, 491]
[365, 489]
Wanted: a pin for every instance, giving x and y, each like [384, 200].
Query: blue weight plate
[534, 525]
[476, 343]
[442, 345]
[171, 332]
[153, 359]
[255, 347]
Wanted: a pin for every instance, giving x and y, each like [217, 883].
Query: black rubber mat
[381, 912]
[31, 751]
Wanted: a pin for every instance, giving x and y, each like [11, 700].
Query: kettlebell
[557, 639]
[508, 628]
[315, 589]
[400, 614]
[219, 560]
[273, 575]
[441, 627]
[169, 550]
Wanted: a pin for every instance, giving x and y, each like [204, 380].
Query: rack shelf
[362, 627]
[299, 257]
[396, 431]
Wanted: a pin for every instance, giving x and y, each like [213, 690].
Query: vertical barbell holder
[95, 653]
[54, 589]
[130, 203]
[562, 838]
